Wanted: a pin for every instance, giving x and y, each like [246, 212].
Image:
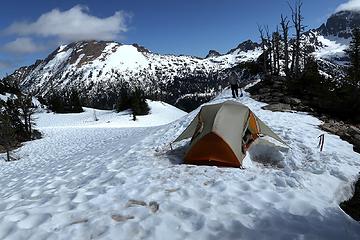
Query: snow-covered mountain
[97, 68]
[329, 42]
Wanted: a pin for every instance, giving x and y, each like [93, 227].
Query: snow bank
[77, 181]
[160, 113]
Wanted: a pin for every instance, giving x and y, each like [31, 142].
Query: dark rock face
[245, 46]
[340, 24]
[352, 206]
[141, 48]
[278, 107]
[213, 53]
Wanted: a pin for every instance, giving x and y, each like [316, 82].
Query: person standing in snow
[234, 84]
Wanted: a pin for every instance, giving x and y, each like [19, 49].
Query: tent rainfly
[221, 134]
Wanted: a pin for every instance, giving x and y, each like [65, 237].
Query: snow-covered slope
[78, 182]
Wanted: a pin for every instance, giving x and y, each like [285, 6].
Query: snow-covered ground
[161, 113]
[76, 183]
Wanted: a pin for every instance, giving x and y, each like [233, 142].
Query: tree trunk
[7, 155]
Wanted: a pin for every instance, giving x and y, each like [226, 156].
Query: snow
[125, 57]
[6, 96]
[160, 113]
[61, 48]
[331, 48]
[76, 182]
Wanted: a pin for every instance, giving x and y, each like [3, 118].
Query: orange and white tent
[221, 134]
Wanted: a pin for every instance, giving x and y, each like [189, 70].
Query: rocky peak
[140, 48]
[213, 53]
[244, 47]
[340, 24]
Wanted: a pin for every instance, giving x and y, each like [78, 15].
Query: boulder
[264, 90]
[292, 101]
[278, 107]
[354, 130]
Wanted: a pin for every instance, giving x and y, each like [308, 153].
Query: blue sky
[32, 29]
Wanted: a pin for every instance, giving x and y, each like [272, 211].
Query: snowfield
[80, 182]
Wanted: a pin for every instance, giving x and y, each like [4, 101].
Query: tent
[221, 134]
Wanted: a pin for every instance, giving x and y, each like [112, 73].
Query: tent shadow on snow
[267, 153]
[222, 133]
[176, 155]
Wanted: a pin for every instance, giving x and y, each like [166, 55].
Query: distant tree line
[63, 101]
[119, 97]
[133, 99]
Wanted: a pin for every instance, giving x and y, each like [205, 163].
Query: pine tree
[74, 102]
[354, 54]
[123, 99]
[7, 133]
[138, 103]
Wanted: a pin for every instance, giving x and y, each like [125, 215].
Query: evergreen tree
[7, 131]
[138, 103]
[354, 55]
[74, 102]
[56, 103]
[123, 99]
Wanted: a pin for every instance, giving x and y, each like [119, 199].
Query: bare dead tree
[263, 46]
[285, 32]
[297, 20]
[276, 38]
[269, 48]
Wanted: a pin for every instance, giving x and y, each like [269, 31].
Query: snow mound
[160, 113]
[97, 183]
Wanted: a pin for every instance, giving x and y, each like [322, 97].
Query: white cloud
[73, 25]
[351, 5]
[21, 45]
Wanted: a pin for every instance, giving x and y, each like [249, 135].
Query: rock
[328, 127]
[354, 130]
[132, 203]
[357, 136]
[278, 94]
[278, 107]
[264, 90]
[154, 206]
[213, 53]
[121, 218]
[292, 101]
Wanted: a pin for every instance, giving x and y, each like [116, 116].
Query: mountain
[97, 69]
[340, 24]
[213, 53]
[244, 47]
